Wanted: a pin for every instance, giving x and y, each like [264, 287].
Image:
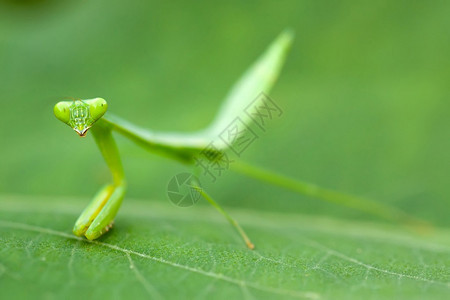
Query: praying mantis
[91, 114]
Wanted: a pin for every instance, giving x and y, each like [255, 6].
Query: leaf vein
[370, 267]
[219, 276]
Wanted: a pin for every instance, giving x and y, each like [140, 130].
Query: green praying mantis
[84, 115]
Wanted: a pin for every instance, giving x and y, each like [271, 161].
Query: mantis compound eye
[62, 111]
[97, 108]
[80, 114]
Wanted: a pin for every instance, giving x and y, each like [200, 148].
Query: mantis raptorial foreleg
[98, 216]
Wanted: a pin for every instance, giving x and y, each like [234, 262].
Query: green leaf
[159, 251]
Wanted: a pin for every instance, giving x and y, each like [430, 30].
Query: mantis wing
[259, 78]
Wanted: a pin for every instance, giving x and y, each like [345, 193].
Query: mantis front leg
[98, 216]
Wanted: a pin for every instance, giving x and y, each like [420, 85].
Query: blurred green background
[365, 94]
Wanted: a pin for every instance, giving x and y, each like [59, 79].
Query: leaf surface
[161, 251]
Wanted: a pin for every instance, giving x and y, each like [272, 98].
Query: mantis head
[80, 114]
